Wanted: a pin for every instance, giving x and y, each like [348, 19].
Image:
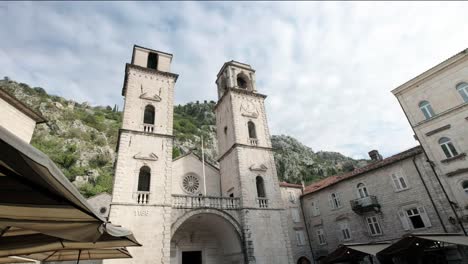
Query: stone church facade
[236, 213]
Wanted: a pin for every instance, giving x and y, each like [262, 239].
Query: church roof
[290, 185]
[198, 157]
[329, 181]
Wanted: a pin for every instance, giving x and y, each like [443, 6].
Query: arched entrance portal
[206, 237]
[303, 260]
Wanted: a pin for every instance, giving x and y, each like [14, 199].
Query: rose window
[191, 183]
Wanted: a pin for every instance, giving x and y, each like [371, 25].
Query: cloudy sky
[328, 68]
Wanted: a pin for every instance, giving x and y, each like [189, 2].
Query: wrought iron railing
[365, 204]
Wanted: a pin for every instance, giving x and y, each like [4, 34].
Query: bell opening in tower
[152, 61]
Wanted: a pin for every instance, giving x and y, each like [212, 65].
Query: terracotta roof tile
[373, 166]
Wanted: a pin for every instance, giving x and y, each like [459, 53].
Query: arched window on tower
[462, 88]
[149, 115]
[465, 186]
[144, 179]
[243, 81]
[152, 61]
[252, 131]
[260, 187]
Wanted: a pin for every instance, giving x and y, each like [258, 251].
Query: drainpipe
[435, 173]
[429, 194]
[305, 224]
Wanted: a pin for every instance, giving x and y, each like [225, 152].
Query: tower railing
[193, 201]
[148, 128]
[142, 197]
[253, 141]
[262, 202]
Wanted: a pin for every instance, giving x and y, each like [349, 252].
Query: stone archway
[212, 234]
[303, 260]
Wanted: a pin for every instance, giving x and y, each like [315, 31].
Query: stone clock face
[248, 108]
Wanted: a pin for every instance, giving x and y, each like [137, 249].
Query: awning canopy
[38, 201]
[355, 252]
[84, 254]
[15, 260]
[418, 242]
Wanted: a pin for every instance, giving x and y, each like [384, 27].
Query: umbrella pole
[79, 254]
[371, 259]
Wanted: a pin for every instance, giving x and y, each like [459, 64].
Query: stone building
[189, 211]
[436, 106]
[379, 202]
[17, 117]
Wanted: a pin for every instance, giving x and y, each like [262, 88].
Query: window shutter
[404, 220]
[339, 199]
[330, 201]
[424, 216]
[395, 182]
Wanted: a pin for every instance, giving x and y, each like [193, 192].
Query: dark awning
[81, 254]
[418, 242]
[354, 252]
[37, 199]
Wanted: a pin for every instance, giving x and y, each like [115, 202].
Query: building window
[463, 90]
[315, 208]
[148, 117]
[465, 186]
[448, 148]
[225, 130]
[335, 200]
[252, 131]
[144, 179]
[260, 187]
[362, 190]
[152, 61]
[426, 109]
[191, 183]
[399, 182]
[414, 218]
[321, 237]
[295, 215]
[300, 238]
[345, 231]
[374, 226]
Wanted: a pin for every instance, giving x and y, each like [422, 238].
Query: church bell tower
[141, 198]
[247, 166]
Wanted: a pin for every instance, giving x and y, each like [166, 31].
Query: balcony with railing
[365, 204]
[142, 197]
[253, 141]
[193, 201]
[148, 128]
[262, 202]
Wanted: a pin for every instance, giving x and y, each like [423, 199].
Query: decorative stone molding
[259, 167]
[154, 98]
[457, 157]
[456, 172]
[151, 157]
[430, 133]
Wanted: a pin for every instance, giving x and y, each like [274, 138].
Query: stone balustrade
[142, 197]
[148, 128]
[253, 141]
[192, 201]
[262, 202]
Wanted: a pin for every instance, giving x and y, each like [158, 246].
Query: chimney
[374, 155]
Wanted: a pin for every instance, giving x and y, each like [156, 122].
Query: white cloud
[328, 67]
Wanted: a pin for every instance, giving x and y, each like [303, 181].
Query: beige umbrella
[37, 199]
[80, 254]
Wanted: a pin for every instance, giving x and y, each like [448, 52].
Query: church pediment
[150, 156]
[258, 167]
[146, 96]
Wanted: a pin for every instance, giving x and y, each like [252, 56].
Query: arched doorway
[303, 260]
[206, 237]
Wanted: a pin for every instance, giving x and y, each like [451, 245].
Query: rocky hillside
[81, 140]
